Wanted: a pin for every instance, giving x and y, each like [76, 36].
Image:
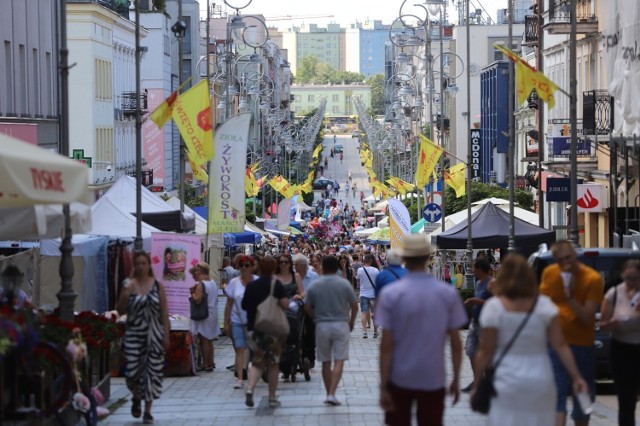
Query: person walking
[209, 328]
[354, 189]
[481, 293]
[391, 273]
[366, 277]
[291, 281]
[346, 189]
[417, 314]
[361, 197]
[518, 325]
[235, 318]
[332, 303]
[146, 336]
[577, 290]
[621, 315]
[266, 348]
[301, 265]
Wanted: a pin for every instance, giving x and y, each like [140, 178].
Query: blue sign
[437, 186]
[432, 212]
[559, 189]
[561, 147]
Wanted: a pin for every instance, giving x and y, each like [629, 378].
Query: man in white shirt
[367, 277]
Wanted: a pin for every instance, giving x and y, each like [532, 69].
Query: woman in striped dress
[146, 335]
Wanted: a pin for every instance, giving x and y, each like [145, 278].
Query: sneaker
[274, 403]
[231, 367]
[468, 388]
[364, 335]
[332, 400]
[239, 385]
[248, 400]
[375, 334]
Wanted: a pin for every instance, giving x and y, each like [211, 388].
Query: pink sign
[153, 139]
[171, 257]
[25, 132]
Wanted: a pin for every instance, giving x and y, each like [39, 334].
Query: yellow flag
[197, 170]
[281, 185]
[192, 114]
[316, 151]
[455, 178]
[528, 78]
[429, 155]
[163, 112]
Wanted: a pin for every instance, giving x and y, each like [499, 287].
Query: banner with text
[171, 257]
[228, 171]
[153, 139]
[399, 223]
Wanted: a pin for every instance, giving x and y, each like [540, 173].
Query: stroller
[292, 360]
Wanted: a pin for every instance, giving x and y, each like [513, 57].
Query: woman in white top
[526, 392]
[207, 329]
[235, 318]
[621, 315]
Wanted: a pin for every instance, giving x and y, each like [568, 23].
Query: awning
[418, 226]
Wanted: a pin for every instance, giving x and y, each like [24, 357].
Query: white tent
[366, 232]
[42, 221]
[108, 219]
[215, 240]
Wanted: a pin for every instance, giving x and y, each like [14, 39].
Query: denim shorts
[238, 335]
[473, 338]
[366, 304]
[585, 357]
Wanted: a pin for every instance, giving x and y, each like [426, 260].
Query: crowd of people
[537, 333]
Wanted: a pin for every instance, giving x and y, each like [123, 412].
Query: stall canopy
[490, 229]
[155, 211]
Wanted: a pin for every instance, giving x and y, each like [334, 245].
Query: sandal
[274, 403]
[147, 419]
[135, 408]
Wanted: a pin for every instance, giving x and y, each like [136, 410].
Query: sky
[343, 11]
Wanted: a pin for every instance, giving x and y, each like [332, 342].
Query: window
[49, 110]
[310, 98]
[22, 75]
[335, 109]
[104, 144]
[9, 108]
[35, 75]
[335, 98]
[186, 40]
[104, 80]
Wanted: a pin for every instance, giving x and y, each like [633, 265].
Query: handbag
[199, 311]
[485, 391]
[270, 318]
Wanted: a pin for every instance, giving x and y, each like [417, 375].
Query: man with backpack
[392, 272]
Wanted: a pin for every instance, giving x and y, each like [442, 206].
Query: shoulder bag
[270, 318]
[373, 284]
[485, 391]
[199, 311]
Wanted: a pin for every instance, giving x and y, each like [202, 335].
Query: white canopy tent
[42, 221]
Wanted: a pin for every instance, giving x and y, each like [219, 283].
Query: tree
[311, 70]
[480, 191]
[307, 69]
[377, 93]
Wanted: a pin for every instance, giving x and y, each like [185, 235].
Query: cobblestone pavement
[209, 398]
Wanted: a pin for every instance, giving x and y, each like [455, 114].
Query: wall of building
[339, 98]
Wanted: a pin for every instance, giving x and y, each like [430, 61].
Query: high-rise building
[365, 47]
[520, 9]
[326, 44]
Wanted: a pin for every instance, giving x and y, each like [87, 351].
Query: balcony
[559, 21]
[597, 112]
[531, 30]
[129, 104]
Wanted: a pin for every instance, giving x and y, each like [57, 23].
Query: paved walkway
[209, 398]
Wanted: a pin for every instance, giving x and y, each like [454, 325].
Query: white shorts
[332, 341]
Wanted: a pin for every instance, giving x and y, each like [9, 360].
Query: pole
[208, 44]
[511, 150]
[573, 118]
[469, 268]
[431, 93]
[66, 296]
[181, 168]
[442, 163]
[541, 127]
[137, 243]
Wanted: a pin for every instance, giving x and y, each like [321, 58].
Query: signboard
[476, 154]
[432, 213]
[153, 139]
[532, 145]
[559, 189]
[561, 147]
[430, 227]
[434, 196]
[592, 198]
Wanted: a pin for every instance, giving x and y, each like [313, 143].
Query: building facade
[326, 44]
[365, 45]
[339, 98]
[29, 71]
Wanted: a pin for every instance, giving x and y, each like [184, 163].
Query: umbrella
[30, 175]
[380, 237]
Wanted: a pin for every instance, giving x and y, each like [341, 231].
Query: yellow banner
[528, 78]
[163, 112]
[316, 151]
[192, 114]
[429, 155]
[281, 185]
[198, 172]
[455, 178]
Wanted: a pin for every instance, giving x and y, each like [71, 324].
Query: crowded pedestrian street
[209, 398]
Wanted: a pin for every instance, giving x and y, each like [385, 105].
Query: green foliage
[426, 131]
[414, 214]
[480, 191]
[310, 70]
[160, 5]
[377, 94]
[190, 197]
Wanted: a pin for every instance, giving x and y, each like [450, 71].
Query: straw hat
[416, 245]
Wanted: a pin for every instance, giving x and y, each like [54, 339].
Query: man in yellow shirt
[577, 290]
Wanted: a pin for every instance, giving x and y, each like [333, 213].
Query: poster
[153, 139]
[172, 255]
